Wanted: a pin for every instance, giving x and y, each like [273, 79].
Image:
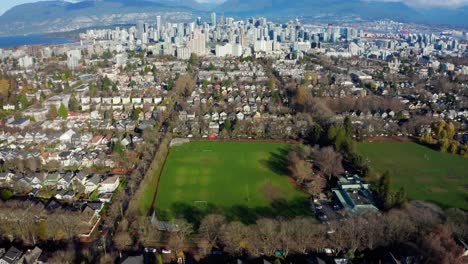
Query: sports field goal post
[200, 204]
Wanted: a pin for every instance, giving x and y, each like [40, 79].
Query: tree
[348, 126]
[440, 247]
[118, 148]
[234, 236]
[440, 128]
[426, 138]
[184, 85]
[62, 111]
[193, 60]
[70, 224]
[315, 134]
[177, 240]
[73, 104]
[136, 114]
[271, 84]
[210, 228]
[329, 161]
[306, 235]
[450, 130]
[454, 146]
[52, 112]
[444, 144]
[317, 185]
[122, 240]
[457, 220]
[300, 169]
[227, 125]
[301, 96]
[267, 236]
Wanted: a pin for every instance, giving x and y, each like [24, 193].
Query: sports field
[239, 179]
[426, 174]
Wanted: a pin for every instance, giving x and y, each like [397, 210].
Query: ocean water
[32, 39]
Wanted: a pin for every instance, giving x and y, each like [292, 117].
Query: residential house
[65, 182]
[52, 179]
[92, 183]
[12, 256]
[64, 195]
[67, 136]
[20, 123]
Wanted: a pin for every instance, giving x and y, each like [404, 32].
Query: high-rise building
[158, 23]
[140, 29]
[197, 43]
[213, 19]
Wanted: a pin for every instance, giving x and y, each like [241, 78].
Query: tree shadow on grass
[278, 162]
[279, 208]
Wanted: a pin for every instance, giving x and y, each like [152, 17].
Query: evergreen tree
[399, 198]
[227, 125]
[62, 111]
[136, 114]
[73, 104]
[193, 59]
[118, 148]
[348, 126]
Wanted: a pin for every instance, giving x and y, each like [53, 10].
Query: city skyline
[7, 4]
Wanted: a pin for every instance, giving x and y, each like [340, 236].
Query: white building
[237, 50]
[197, 43]
[26, 62]
[109, 185]
[263, 45]
[223, 51]
[73, 59]
[183, 53]
[67, 136]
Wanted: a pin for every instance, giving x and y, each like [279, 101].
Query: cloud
[430, 3]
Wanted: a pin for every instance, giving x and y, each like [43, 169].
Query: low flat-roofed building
[354, 195]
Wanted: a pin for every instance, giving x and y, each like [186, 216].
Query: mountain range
[55, 15]
[368, 10]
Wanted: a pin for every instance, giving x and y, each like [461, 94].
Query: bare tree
[210, 228]
[178, 240]
[235, 236]
[268, 231]
[329, 161]
[301, 170]
[457, 219]
[316, 186]
[123, 240]
[440, 247]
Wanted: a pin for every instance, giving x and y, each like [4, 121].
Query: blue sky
[7, 4]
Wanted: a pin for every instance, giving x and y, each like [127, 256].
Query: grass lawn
[426, 174]
[241, 180]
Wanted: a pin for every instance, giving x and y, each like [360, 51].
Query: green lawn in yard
[425, 173]
[242, 180]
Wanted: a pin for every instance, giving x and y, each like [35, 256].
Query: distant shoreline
[33, 39]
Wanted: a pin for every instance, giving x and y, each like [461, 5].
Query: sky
[7, 4]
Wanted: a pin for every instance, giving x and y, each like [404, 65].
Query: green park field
[241, 180]
[426, 174]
